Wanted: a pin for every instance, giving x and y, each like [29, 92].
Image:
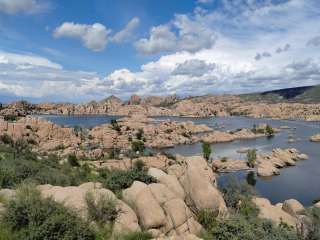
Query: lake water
[301, 182]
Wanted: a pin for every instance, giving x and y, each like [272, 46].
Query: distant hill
[307, 94]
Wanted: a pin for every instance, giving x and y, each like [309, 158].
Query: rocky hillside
[306, 94]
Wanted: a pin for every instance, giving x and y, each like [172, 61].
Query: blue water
[301, 182]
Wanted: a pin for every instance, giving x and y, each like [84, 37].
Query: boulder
[198, 182]
[315, 138]
[293, 207]
[74, 197]
[274, 213]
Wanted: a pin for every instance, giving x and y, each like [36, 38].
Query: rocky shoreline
[205, 106]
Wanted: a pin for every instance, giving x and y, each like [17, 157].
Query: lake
[301, 182]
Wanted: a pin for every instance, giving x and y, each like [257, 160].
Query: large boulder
[199, 184]
[75, 198]
[293, 207]
[274, 213]
[160, 207]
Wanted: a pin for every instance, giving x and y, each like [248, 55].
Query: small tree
[251, 157]
[269, 131]
[206, 150]
[115, 125]
[139, 134]
[73, 161]
[137, 146]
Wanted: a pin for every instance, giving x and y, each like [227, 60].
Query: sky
[78, 51]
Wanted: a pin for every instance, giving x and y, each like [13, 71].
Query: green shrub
[138, 146]
[139, 134]
[101, 208]
[6, 233]
[135, 236]
[121, 179]
[35, 218]
[10, 118]
[115, 125]
[314, 225]
[269, 131]
[139, 165]
[234, 191]
[237, 227]
[206, 150]
[207, 218]
[73, 161]
[6, 139]
[251, 157]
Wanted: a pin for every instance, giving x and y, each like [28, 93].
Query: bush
[314, 226]
[103, 209]
[139, 134]
[239, 228]
[206, 150]
[10, 118]
[139, 165]
[6, 233]
[135, 236]
[269, 131]
[207, 218]
[138, 146]
[6, 139]
[251, 157]
[73, 161]
[115, 125]
[35, 218]
[236, 191]
[121, 179]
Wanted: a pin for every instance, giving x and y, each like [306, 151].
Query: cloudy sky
[57, 50]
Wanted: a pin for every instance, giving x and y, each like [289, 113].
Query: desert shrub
[237, 227]
[114, 153]
[139, 165]
[269, 131]
[6, 233]
[73, 161]
[251, 157]
[237, 195]
[138, 146]
[10, 118]
[206, 150]
[115, 125]
[207, 218]
[31, 167]
[121, 179]
[135, 236]
[6, 139]
[101, 208]
[139, 134]
[314, 225]
[33, 217]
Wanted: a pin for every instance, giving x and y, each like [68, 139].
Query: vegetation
[139, 134]
[73, 161]
[206, 150]
[115, 125]
[121, 179]
[31, 217]
[242, 222]
[135, 236]
[251, 157]
[138, 146]
[19, 164]
[102, 208]
[269, 131]
[314, 224]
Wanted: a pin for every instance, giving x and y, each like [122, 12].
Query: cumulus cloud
[259, 56]
[283, 49]
[192, 35]
[204, 1]
[126, 33]
[23, 6]
[314, 42]
[193, 67]
[94, 37]
[161, 39]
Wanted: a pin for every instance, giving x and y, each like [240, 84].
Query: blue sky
[83, 50]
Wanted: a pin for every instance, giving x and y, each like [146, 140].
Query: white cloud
[126, 33]
[161, 39]
[314, 42]
[192, 35]
[204, 1]
[94, 37]
[24, 6]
